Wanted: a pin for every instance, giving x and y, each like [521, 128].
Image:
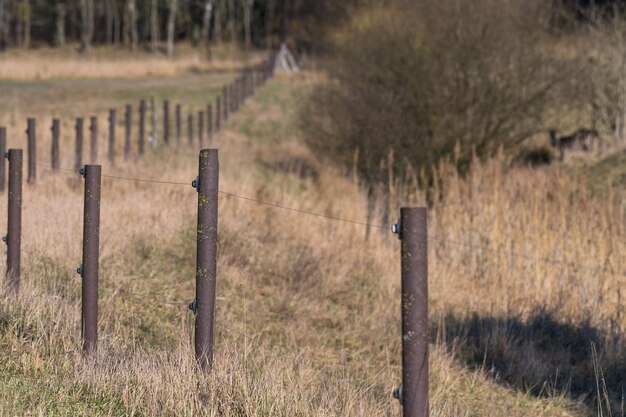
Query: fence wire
[434, 238]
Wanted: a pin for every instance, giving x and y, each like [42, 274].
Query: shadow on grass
[543, 356]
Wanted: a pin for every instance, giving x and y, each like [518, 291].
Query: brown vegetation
[318, 304]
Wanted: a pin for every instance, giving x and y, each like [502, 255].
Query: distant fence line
[202, 123]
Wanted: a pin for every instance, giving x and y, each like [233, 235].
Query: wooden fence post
[3, 149]
[200, 127]
[179, 122]
[13, 238]
[413, 232]
[91, 254]
[31, 131]
[112, 123]
[93, 139]
[54, 151]
[218, 114]
[207, 185]
[142, 127]
[78, 150]
[190, 128]
[166, 122]
[128, 125]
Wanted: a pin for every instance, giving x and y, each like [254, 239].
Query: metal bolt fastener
[397, 394]
[82, 171]
[396, 229]
[5, 239]
[6, 155]
[196, 183]
[193, 306]
[79, 270]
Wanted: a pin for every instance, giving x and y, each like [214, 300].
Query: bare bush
[604, 71]
[418, 78]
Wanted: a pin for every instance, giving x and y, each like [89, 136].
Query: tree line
[149, 24]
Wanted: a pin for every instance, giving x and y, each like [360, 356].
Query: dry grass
[317, 302]
[104, 62]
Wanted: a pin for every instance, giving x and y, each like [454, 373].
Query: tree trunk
[109, 21]
[269, 23]
[131, 37]
[247, 20]
[112, 22]
[126, 24]
[217, 26]
[171, 27]
[133, 26]
[3, 24]
[232, 22]
[206, 22]
[116, 22]
[87, 15]
[154, 25]
[61, 9]
[26, 12]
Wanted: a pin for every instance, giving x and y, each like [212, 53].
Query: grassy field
[526, 271]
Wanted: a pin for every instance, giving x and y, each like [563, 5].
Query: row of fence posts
[92, 175]
[411, 229]
[233, 93]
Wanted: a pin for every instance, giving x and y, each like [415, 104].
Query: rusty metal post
[200, 128]
[218, 114]
[112, 122]
[91, 253]
[232, 97]
[179, 122]
[239, 92]
[413, 233]
[225, 101]
[142, 127]
[244, 86]
[128, 125]
[166, 121]
[31, 131]
[78, 150]
[262, 72]
[209, 122]
[54, 151]
[207, 185]
[190, 128]
[152, 138]
[13, 238]
[93, 140]
[3, 149]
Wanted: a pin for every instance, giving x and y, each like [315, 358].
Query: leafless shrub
[418, 78]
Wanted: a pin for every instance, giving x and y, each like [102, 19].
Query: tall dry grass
[317, 302]
[107, 62]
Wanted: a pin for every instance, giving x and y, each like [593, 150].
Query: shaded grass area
[542, 355]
